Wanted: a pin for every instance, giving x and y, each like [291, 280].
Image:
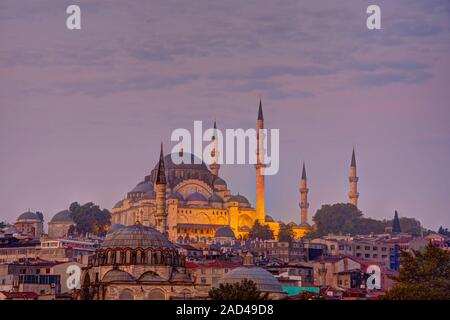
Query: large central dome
[175, 173]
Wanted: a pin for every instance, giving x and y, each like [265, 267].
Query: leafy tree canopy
[259, 231]
[344, 218]
[423, 275]
[443, 231]
[244, 290]
[285, 234]
[89, 218]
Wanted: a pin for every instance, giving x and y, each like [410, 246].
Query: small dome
[291, 224]
[29, 216]
[143, 187]
[215, 198]
[115, 227]
[117, 275]
[239, 198]
[10, 230]
[175, 195]
[265, 281]
[150, 276]
[62, 217]
[269, 219]
[224, 232]
[196, 196]
[180, 277]
[118, 204]
[137, 236]
[219, 182]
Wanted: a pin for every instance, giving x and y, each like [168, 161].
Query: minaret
[353, 194]
[160, 188]
[215, 166]
[260, 210]
[304, 205]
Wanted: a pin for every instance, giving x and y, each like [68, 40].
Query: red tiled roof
[211, 264]
[19, 295]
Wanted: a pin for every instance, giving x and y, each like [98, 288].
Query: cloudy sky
[82, 112]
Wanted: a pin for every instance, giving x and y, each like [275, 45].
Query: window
[375, 256]
[203, 280]
[367, 255]
[358, 247]
[341, 247]
[332, 247]
[203, 271]
[383, 249]
[367, 248]
[375, 248]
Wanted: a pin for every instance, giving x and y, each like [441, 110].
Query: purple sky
[82, 112]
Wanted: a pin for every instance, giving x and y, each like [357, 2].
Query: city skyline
[83, 112]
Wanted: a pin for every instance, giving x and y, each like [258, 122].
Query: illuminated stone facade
[197, 202]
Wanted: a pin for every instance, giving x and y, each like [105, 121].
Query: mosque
[190, 201]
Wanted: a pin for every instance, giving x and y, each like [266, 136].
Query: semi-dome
[219, 182]
[143, 187]
[117, 275]
[137, 236]
[29, 216]
[149, 195]
[175, 195]
[240, 199]
[225, 232]
[215, 198]
[264, 280]
[196, 196]
[62, 217]
[119, 204]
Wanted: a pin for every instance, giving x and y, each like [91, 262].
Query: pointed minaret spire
[160, 174]
[303, 172]
[260, 152]
[353, 194]
[304, 205]
[353, 163]
[214, 166]
[260, 111]
[160, 189]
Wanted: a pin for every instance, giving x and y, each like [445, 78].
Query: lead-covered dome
[225, 232]
[117, 275]
[29, 216]
[137, 236]
[264, 280]
[62, 217]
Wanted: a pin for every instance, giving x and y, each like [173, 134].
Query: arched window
[118, 257]
[156, 294]
[126, 294]
[128, 257]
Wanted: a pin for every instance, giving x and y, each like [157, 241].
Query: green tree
[336, 218]
[259, 231]
[443, 231]
[89, 218]
[244, 290]
[40, 215]
[285, 234]
[423, 275]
